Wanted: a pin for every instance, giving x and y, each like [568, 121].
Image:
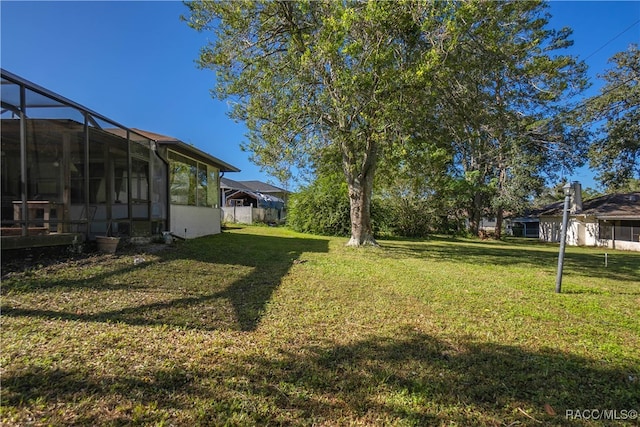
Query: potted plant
[108, 243]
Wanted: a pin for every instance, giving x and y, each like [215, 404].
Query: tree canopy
[615, 112]
[471, 90]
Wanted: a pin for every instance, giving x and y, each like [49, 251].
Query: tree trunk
[360, 182]
[499, 218]
[360, 191]
[474, 226]
[475, 215]
[502, 179]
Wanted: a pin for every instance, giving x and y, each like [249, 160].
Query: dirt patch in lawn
[20, 260]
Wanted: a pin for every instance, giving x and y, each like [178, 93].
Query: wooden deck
[38, 238]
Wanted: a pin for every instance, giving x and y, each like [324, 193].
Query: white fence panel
[249, 215]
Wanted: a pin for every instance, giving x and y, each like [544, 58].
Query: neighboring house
[610, 221]
[486, 225]
[252, 201]
[260, 193]
[525, 225]
[70, 174]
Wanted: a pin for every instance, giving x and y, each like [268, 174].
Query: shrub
[321, 208]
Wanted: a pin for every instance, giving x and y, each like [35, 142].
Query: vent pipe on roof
[576, 199]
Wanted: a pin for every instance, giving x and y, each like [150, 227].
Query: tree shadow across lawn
[195, 296]
[421, 379]
[409, 379]
[269, 258]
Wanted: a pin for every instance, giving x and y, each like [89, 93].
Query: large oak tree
[381, 85]
[310, 77]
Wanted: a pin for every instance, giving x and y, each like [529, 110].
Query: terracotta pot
[107, 244]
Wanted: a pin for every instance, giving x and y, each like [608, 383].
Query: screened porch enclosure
[66, 169]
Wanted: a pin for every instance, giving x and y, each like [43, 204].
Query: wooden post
[62, 212]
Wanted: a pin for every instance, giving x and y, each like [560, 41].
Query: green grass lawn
[264, 326]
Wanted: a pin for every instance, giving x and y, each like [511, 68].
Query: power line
[611, 40]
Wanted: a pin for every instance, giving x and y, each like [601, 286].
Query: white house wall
[581, 232]
[550, 229]
[192, 221]
[591, 233]
[573, 232]
[622, 245]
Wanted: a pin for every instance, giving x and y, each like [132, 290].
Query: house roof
[549, 209]
[263, 187]
[230, 184]
[187, 149]
[254, 186]
[609, 206]
[533, 214]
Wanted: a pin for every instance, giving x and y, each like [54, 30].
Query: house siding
[550, 229]
[193, 221]
[581, 232]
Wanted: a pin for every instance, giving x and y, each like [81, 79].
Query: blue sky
[134, 62]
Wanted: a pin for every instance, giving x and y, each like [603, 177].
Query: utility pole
[563, 234]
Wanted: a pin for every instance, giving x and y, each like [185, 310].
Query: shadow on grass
[411, 379]
[197, 297]
[414, 376]
[588, 262]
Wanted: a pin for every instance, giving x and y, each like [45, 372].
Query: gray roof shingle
[620, 205]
